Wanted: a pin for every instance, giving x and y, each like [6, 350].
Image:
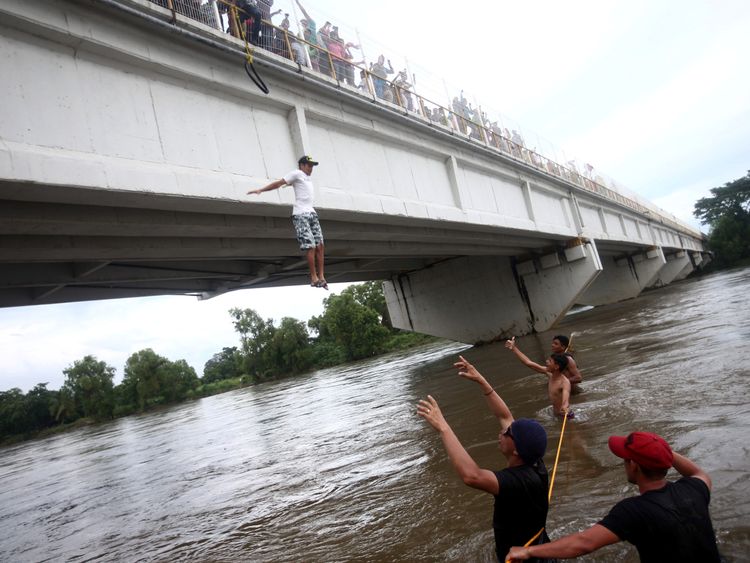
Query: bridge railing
[334, 61]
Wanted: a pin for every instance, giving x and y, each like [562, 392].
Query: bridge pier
[695, 260]
[485, 298]
[676, 263]
[624, 277]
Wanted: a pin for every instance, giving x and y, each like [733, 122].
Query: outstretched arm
[511, 345]
[471, 474]
[272, 186]
[687, 468]
[494, 401]
[569, 546]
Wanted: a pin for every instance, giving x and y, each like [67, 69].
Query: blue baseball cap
[530, 439]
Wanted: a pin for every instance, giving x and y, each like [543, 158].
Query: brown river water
[336, 466]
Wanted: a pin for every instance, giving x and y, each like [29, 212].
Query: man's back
[521, 506]
[667, 524]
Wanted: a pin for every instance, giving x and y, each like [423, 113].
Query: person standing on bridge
[560, 345]
[520, 490]
[304, 217]
[668, 521]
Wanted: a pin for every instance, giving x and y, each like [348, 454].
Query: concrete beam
[675, 264]
[555, 286]
[467, 299]
[480, 299]
[624, 277]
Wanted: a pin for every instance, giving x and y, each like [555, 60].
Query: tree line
[727, 213]
[354, 325]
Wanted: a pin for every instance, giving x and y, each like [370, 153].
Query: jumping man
[304, 217]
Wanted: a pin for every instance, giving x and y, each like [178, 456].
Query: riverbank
[397, 342]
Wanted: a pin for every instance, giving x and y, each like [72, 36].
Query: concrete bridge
[129, 137]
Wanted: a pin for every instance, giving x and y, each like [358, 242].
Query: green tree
[64, 406]
[727, 212]
[91, 384]
[255, 335]
[370, 294]
[352, 326]
[177, 380]
[223, 365]
[141, 385]
[40, 406]
[14, 416]
[151, 379]
[289, 349]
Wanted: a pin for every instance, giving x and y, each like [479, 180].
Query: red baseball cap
[647, 450]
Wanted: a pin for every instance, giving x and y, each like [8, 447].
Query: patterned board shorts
[309, 233]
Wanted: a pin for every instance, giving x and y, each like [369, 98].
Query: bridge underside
[62, 244]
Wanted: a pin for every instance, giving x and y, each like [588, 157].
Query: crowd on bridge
[325, 50]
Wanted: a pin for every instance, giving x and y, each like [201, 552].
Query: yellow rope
[557, 456]
[552, 480]
[243, 36]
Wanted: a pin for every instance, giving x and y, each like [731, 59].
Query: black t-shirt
[520, 507]
[668, 524]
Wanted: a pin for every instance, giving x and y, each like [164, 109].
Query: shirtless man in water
[559, 346]
[556, 369]
[558, 385]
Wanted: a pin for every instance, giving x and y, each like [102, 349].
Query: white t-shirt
[303, 192]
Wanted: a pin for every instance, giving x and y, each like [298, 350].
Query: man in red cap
[668, 521]
[304, 217]
[520, 490]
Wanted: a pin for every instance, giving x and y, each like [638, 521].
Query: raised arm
[304, 13]
[494, 400]
[272, 186]
[511, 345]
[687, 468]
[471, 474]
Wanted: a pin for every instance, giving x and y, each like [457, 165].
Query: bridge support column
[624, 277]
[669, 272]
[485, 298]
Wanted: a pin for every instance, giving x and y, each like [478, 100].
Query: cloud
[38, 342]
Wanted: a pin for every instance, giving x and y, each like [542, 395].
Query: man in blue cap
[520, 490]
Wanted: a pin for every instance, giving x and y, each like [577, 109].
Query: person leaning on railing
[380, 76]
[266, 29]
[310, 34]
[248, 15]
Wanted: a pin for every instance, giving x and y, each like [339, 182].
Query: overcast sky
[655, 95]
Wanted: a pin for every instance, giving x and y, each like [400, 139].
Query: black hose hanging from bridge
[255, 77]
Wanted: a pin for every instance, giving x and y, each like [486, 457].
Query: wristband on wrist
[490, 392]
